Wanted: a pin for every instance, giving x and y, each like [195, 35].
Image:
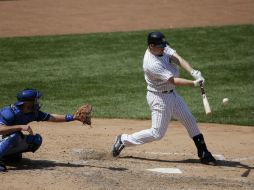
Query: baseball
[225, 101]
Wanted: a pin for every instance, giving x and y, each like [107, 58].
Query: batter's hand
[196, 74]
[199, 81]
[28, 129]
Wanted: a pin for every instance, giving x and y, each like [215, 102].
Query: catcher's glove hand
[84, 114]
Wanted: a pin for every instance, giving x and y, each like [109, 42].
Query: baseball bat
[205, 100]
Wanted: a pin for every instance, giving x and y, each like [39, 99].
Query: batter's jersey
[12, 115]
[159, 69]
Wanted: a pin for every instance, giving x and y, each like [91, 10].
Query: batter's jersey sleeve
[168, 50]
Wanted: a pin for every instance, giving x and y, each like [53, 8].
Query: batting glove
[199, 81]
[196, 74]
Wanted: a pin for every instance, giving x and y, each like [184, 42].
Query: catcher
[14, 120]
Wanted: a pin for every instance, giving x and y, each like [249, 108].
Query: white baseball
[225, 101]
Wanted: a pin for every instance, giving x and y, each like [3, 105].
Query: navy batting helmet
[28, 95]
[157, 38]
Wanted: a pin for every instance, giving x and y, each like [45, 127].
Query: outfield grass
[106, 70]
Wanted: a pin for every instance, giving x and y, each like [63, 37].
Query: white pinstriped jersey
[159, 69]
[164, 106]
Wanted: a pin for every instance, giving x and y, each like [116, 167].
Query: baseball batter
[160, 65]
[14, 120]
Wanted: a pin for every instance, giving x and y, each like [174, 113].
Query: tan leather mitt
[84, 114]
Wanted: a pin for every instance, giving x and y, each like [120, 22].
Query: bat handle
[202, 88]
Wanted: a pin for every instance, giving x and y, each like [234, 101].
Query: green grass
[106, 70]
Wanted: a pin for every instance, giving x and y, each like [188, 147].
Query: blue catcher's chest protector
[12, 115]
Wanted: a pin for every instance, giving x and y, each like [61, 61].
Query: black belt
[168, 91]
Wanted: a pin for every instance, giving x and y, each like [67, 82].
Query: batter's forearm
[181, 62]
[185, 65]
[180, 82]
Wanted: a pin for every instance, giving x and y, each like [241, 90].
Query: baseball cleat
[207, 158]
[2, 167]
[117, 147]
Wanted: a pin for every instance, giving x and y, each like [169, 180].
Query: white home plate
[219, 157]
[166, 170]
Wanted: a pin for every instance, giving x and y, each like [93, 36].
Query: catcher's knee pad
[8, 142]
[34, 142]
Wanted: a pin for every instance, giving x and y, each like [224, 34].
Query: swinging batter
[162, 76]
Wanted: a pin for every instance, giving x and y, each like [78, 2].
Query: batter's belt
[167, 91]
[164, 92]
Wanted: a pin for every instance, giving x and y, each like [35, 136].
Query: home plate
[166, 170]
[219, 157]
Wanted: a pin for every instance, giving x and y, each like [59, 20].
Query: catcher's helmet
[28, 95]
[157, 38]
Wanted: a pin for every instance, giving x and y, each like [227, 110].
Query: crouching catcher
[14, 120]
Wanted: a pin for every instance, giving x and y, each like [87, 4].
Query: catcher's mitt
[84, 114]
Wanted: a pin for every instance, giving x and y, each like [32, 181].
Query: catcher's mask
[157, 38]
[29, 95]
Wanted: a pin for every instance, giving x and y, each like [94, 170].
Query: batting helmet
[157, 38]
[28, 95]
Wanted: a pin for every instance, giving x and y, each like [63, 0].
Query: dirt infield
[76, 157]
[43, 17]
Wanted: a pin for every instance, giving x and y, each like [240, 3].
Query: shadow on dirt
[160, 160]
[109, 168]
[236, 164]
[224, 163]
[27, 164]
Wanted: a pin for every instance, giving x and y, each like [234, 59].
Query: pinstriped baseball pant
[164, 106]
